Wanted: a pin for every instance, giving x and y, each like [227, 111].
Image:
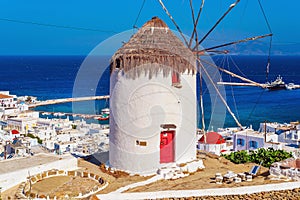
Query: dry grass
[115, 180]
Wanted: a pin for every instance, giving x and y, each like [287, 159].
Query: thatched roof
[154, 44]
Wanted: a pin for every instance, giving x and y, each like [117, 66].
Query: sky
[23, 30]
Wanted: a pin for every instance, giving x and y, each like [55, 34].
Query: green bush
[74, 126]
[262, 156]
[40, 141]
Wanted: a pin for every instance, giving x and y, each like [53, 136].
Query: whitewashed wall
[213, 148]
[138, 108]
[247, 138]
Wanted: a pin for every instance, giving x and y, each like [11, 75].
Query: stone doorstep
[175, 171]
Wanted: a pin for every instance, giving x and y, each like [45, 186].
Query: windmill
[153, 98]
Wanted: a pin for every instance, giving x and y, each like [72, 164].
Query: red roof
[4, 96]
[15, 131]
[212, 138]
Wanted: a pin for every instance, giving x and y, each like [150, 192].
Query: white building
[152, 101]
[212, 142]
[249, 139]
[61, 147]
[287, 133]
[9, 106]
[17, 149]
[29, 142]
[7, 100]
[44, 132]
[21, 124]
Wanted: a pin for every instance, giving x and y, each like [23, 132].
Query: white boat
[278, 84]
[290, 86]
[105, 111]
[61, 114]
[55, 114]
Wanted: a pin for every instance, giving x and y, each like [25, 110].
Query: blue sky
[112, 17]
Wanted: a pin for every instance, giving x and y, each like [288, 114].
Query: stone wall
[289, 168]
[24, 188]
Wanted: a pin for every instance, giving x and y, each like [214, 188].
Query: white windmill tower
[153, 101]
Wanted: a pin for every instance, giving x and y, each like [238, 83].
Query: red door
[167, 146]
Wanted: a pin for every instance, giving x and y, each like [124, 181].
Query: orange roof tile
[4, 96]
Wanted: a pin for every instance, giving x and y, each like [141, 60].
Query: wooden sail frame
[198, 53]
[216, 24]
[219, 94]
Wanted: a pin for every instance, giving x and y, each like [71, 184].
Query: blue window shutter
[253, 144]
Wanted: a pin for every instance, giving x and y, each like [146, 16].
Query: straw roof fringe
[153, 44]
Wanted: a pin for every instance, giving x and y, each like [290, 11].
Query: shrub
[262, 156]
[40, 141]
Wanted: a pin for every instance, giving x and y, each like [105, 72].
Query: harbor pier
[66, 100]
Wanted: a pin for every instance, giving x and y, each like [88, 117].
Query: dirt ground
[205, 178]
[61, 185]
[199, 180]
[10, 193]
[114, 183]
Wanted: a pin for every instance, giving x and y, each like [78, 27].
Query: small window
[141, 143]
[118, 63]
[240, 142]
[176, 79]
[253, 144]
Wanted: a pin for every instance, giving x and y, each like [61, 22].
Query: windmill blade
[234, 75]
[216, 24]
[236, 84]
[236, 42]
[219, 94]
[201, 98]
[195, 22]
[216, 52]
[174, 22]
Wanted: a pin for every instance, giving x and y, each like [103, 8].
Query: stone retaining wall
[289, 168]
[24, 188]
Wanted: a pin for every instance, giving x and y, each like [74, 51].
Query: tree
[28, 99]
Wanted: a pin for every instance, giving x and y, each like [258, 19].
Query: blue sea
[51, 77]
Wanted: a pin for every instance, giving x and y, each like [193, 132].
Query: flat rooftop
[250, 133]
[16, 164]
